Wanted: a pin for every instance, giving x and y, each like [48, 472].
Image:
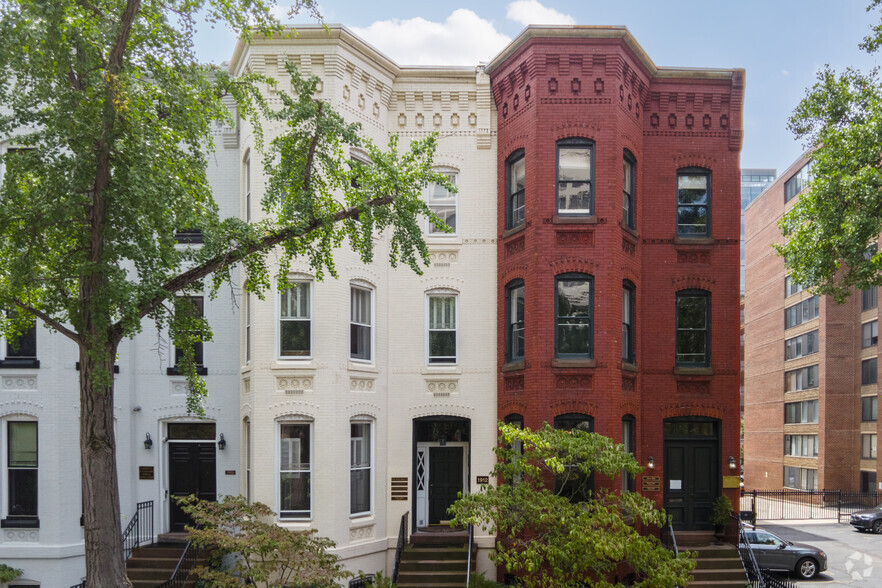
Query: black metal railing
[399, 548]
[757, 577]
[140, 529]
[188, 561]
[806, 504]
[80, 585]
[469, 558]
[668, 539]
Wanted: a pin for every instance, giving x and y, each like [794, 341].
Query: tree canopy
[832, 231]
[551, 540]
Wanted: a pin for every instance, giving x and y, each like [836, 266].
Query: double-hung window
[869, 298]
[443, 203]
[575, 177]
[21, 350]
[693, 202]
[869, 334]
[442, 328]
[628, 322]
[295, 321]
[514, 327]
[574, 311]
[628, 190]
[247, 303]
[193, 308]
[869, 373]
[360, 467]
[573, 483]
[629, 436]
[868, 446]
[361, 324]
[693, 328]
[295, 470]
[21, 474]
[869, 407]
[515, 189]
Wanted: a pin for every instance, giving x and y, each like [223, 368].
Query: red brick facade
[597, 84]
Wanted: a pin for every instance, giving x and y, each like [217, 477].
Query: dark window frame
[870, 298]
[870, 339]
[198, 346]
[693, 293]
[567, 422]
[558, 318]
[628, 327]
[797, 182]
[803, 374]
[21, 352]
[515, 215]
[574, 143]
[628, 212]
[869, 371]
[629, 441]
[869, 409]
[802, 312]
[14, 517]
[708, 206]
[801, 345]
[512, 325]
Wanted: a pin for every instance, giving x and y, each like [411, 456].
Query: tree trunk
[105, 564]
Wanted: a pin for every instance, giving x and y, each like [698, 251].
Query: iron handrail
[469, 558]
[140, 526]
[399, 548]
[185, 566]
[668, 531]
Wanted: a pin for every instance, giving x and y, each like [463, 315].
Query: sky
[781, 44]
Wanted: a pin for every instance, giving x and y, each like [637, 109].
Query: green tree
[265, 553]
[550, 540]
[830, 231]
[113, 115]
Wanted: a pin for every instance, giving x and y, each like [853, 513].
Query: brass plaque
[731, 481]
[145, 472]
[651, 483]
[483, 479]
[399, 488]
[230, 472]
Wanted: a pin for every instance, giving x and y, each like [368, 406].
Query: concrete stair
[718, 565]
[150, 566]
[440, 566]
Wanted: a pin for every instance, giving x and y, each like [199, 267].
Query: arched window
[514, 321]
[361, 458]
[295, 469]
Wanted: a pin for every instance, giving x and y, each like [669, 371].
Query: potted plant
[721, 516]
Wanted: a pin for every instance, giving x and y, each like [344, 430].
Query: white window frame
[4, 465]
[370, 467]
[370, 325]
[248, 440]
[246, 179]
[311, 319]
[247, 302]
[452, 176]
[278, 476]
[442, 294]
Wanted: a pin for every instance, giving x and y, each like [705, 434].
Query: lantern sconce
[148, 442]
[651, 463]
[222, 443]
[732, 464]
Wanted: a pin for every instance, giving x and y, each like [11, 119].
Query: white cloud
[463, 39]
[529, 12]
[785, 72]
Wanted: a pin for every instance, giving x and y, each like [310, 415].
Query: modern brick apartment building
[618, 214]
[810, 391]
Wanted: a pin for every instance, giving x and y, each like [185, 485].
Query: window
[194, 308]
[359, 468]
[517, 446]
[443, 203]
[573, 315]
[442, 328]
[515, 181]
[21, 350]
[628, 322]
[802, 345]
[628, 190]
[868, 446]
[21, 470]
[869, 298]
[514, 327]
[869, 334]
[295, 471]
[247, 437]
[791, 287]
[801, 412]
[693, 328]
[868, 371]
[801, 312]
[629, 442]
[693, 202]
[868, 481]
[575, 177]
[295, 324]
[248, 188]
[573, 483]
[247, 302]
[802, 379]
[361, 321]
[797, 182]
[800, 478]
[801, 445]
[869, 406]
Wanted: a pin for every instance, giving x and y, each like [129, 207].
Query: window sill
[698, 240]
[514, 230]
[293, 364]
[513, 366]
[629, 230]
[564, 363]
[565, 219]
[434, 369]
[115, 367]
[20, 523]
[294, 524]
[443, 239]
[627, 366]
[693, 371]
[361, 519]
[358, 366]
[13, 363]
[201, 370]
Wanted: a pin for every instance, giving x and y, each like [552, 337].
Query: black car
[774, 553]
[868, 520]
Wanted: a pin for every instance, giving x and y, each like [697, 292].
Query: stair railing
[469, 559]
[668, 539]
[399, 548]
[140, 528]
[748, 560]
[188, 561]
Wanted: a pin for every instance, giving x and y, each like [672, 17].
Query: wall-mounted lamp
[651, 463]
[148, 442]
[732, 464]
[222, 443]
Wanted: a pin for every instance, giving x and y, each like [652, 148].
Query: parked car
[776, 554]
[869, 519]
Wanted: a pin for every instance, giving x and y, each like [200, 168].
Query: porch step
[718, 565]
[150, 566]
[436, 566]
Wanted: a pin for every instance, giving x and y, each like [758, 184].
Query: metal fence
[806, 504]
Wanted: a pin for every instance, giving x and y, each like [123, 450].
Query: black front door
[691, 473]
[191, 468]
[445, 481]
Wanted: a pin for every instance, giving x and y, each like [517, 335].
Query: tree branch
[69, 333]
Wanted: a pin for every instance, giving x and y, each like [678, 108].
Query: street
[853, 558]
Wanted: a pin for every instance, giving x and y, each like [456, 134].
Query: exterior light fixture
[732, 464]
[148, 442]
[651, 463]
[222, 443]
